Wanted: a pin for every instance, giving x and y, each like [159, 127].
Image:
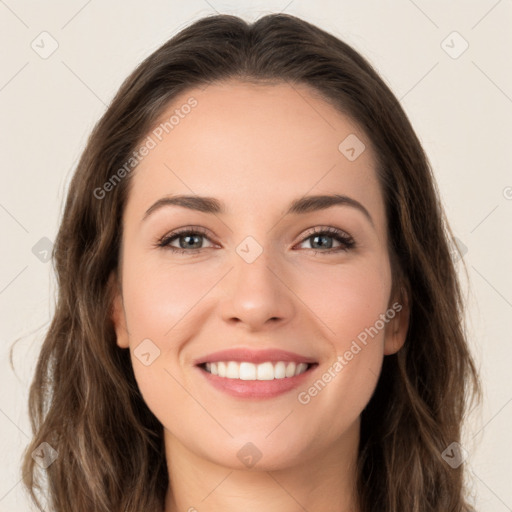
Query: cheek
[346, 299]
[160, 298]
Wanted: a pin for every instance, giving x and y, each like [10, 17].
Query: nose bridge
[256, 292]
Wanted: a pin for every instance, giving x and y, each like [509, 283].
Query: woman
[203, 354]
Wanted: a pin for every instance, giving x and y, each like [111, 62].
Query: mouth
[247, 371]
[250, 381]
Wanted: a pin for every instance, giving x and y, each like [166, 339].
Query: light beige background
[461, 109]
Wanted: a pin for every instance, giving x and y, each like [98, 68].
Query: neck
[326, 483]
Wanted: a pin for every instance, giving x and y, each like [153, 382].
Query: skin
[256, 148]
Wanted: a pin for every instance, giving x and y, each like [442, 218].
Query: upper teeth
[251, 371]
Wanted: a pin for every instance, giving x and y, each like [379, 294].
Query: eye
[189, 240]
[320, 236]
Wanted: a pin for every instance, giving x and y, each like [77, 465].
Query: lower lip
[256, 388]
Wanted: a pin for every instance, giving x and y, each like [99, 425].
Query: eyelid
[198, 230]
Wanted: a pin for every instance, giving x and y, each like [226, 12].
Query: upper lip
[254, 356]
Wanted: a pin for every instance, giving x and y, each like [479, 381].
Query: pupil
[323, 237]
[188, 238]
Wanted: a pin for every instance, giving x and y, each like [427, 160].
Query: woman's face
[256, 276]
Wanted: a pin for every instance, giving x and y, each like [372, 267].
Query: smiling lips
[251, 373]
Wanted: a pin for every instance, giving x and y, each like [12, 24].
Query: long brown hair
[84, 400]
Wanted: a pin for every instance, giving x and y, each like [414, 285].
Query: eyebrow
[303, 205]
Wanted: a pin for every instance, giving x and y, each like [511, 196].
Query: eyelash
[340, 236]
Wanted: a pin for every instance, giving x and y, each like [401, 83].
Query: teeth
[251, 371]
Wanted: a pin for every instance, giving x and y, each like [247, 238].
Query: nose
[257, 294]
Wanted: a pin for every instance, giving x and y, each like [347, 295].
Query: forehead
[254, 146]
